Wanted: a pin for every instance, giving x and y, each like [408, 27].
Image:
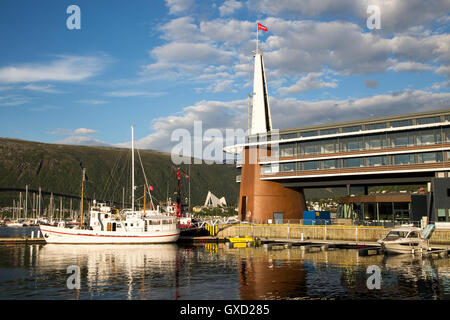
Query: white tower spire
[261, 121]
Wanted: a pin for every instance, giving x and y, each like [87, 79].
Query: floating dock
[22, 241]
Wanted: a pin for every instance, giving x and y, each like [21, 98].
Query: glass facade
[401, 123]
[367, 142]
[358, 162]
[377, 142]
[351, 129]
[374, 126]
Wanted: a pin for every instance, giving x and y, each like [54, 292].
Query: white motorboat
[407, 239]
[14, 224]
[130, 226]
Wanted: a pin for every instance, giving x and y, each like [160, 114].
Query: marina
[331, 183]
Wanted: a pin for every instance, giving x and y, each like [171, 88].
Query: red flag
[150, 188]
[261, 27]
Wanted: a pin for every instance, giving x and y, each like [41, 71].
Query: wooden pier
[22, 241]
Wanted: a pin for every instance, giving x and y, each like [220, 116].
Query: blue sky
[161, 65]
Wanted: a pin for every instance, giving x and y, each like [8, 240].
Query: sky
[163, 65]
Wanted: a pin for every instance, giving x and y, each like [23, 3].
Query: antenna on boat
[132, 169]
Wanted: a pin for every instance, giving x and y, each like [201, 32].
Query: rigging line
[121, 174]
[113, 171]
[108, 183]
[145, 177]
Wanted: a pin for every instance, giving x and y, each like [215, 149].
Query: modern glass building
[402, 149]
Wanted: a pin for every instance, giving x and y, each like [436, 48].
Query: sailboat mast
[132, 169]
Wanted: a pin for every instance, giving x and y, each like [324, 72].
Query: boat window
[106, 216]
[397, 234]
[414, 234]
[166, 222]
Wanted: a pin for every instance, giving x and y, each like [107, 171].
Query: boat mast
[132, 169]
[81, 203]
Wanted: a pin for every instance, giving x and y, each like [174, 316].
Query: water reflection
[170, 271]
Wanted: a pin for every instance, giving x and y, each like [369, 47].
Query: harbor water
[213, 271]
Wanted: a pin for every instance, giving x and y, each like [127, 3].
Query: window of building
[351, 129]
[266, 169]
[430, 136]
[307, 148]
[353, 162]
[374, 126]
[310, 165]
[441, 214]
[375, 141]
[288, 167]
[401, 123]
[329, 146]
[330, 164]
[285, 136]
[351, 144]
[288, 149]
[446, 131]
[403, 159]
[428, 120]
[308, 133]
[402, 139]
[377, 161]
[329, 131]
[429, 157]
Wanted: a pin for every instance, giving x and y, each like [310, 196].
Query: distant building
[212, 201]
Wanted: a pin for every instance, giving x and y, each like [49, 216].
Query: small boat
[407, 239]
[14, 224]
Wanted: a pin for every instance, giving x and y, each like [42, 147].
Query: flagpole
[257, 37]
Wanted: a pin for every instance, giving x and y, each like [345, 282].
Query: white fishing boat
[130, 226]
[407, 239]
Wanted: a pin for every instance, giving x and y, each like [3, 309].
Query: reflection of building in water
[110, 265]
[266, 276]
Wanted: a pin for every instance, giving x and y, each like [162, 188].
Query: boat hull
[79, 236]
[401, 248]
[14, 225]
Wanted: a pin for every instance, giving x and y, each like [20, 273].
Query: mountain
[57, 168]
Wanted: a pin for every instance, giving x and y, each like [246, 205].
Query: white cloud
[396, 15]
[212, 114]
[179, 6]
[304, 113]
[69, 132]
[229, 7]
[12, 100]
[65, 68]
[84, 131]
[410, 66]
[311, 81]
[83, 141]
[42, 88]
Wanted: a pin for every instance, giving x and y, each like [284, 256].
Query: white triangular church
[213, 201]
